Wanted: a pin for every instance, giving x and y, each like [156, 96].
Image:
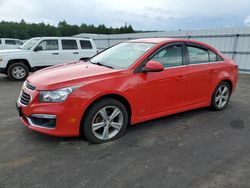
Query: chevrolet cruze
[131, 82]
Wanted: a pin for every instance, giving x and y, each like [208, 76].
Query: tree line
[23, 30]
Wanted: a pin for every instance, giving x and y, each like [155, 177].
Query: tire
[98, 125]
[221, 96]
[18, 71]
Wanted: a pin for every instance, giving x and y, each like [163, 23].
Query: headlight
[1, 60]
[58, 95]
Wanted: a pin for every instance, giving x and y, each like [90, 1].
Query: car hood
[9, 51]
[69, 74]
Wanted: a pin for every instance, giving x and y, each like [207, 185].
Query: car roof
[153, 40]
[9, 38]
[75, 38]
[166, 40]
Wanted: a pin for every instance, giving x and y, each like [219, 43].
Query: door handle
[75, 52]
[181, 77]
[55, 53]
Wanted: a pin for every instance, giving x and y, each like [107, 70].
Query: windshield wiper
[101, 64]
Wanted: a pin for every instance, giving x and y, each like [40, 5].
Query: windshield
[29, 44]
[121, 56]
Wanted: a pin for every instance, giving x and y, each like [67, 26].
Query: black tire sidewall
[213, 103]
[87, 122]
[9, 71]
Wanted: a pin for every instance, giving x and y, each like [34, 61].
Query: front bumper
[57, 119]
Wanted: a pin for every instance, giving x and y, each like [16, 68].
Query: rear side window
[10, 42]
[49, 44]
[85, 44]
[197, 55]
[169, 56]
[13, 42]
[69, 45]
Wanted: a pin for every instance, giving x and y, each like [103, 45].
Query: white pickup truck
[42, 52]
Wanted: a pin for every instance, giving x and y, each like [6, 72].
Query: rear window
[69, 45]
[85, 44]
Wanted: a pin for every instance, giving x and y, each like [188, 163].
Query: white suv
[7, 43]
[42, 52]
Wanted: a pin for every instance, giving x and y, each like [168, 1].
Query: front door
[48, 54]
[164, 91]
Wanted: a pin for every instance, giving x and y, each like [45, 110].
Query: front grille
[24, 98]
[30, 87]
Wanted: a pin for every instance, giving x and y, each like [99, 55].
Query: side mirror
[153, 66]
[38, 48]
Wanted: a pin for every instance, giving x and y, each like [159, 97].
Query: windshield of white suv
[29, 44]
[121, 56]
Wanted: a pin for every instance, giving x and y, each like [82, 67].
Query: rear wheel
[18, 71]
[221, 96]
[106, 120]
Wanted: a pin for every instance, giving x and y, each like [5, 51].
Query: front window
[121, 56]
[29, 44]
[169, 56]
[49, 45]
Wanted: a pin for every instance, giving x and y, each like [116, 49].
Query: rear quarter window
[214, 57]
[85, 44]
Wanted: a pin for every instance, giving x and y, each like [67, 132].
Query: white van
[7, 43]
[42, 52]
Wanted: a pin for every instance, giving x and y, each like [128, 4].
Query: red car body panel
[149, 95]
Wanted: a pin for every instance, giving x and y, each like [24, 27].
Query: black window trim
[184, 58]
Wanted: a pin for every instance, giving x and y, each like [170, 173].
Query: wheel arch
[118, 97]
[25, 61]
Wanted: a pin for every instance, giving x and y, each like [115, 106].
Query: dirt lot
[199, 148]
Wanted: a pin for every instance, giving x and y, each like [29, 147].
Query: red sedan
[131, 82]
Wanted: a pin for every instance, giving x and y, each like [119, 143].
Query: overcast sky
[141, 14]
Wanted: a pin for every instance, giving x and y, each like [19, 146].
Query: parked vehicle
[131, 82]
[8, 43]
[42, 52]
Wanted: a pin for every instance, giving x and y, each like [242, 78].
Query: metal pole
[235, 45]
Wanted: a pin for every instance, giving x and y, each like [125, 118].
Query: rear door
[199, 76]
[166, 90]
[70, 51]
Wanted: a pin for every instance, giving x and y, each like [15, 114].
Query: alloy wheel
[107, 122]
[222, 96]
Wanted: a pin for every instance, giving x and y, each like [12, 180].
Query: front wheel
[106, 120]
[221, 96]
[18, 71]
